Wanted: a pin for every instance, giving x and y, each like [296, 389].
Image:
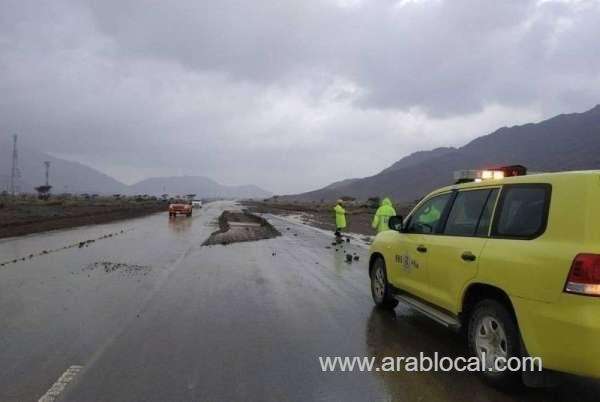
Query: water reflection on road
[180, 224]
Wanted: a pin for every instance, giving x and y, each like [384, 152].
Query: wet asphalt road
[151, 315]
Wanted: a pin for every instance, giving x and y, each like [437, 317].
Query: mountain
[340, 184]
[202, 186]
[418, 157]
[73, 177]
[65, 176]
[564, 142]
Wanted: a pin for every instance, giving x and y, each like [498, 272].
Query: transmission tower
[15, 173]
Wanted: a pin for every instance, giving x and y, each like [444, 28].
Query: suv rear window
[486, 217]
[466, 212]
[471, 213]
[522, 211]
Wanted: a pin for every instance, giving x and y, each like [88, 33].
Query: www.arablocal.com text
[423, 363]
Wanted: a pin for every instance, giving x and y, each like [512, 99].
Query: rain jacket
[431, 216]
[383, 215]
[340, 217]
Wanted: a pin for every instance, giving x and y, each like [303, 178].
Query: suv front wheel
[493, 333]
[380, 289]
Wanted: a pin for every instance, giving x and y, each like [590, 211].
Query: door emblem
[407, 263]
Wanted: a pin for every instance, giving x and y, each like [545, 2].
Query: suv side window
[523, 211]
[426, 219]
[485, 221]
[466, 212]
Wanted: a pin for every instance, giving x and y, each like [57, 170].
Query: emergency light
[465, 176]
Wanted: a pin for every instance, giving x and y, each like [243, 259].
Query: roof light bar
[463, 176]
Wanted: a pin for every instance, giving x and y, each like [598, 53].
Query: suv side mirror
[395, 223]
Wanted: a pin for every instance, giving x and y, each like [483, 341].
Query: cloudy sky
[286, 94]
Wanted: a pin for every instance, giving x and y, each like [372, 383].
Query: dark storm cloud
[402, 54]
[259, 91]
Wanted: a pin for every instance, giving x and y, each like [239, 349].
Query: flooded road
[148, 314]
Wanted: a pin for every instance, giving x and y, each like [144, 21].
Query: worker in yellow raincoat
[340, 219]
[382, 216]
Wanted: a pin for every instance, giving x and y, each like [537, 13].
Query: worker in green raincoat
[382, 216]
[340, 218]
[431, 215]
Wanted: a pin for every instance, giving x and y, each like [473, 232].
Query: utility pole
[15, 173]
[47, 163]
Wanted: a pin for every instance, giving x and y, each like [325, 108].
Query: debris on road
[109, 267]
[79, 244]
[237, 227]
[348, 257]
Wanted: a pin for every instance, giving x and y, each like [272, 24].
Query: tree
[373, 202]
[43, 192]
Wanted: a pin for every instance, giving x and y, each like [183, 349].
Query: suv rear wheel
[380, 289]
[492, 330]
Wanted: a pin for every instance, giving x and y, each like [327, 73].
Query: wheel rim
[491, 339]
[378, 283]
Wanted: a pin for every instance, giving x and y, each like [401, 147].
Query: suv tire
[493, 330]
[380, 289]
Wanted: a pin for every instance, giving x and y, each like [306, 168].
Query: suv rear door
[519, 256]
[454, 252]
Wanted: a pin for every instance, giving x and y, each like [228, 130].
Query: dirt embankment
[358, 216]
[31, 216]
[237, 227]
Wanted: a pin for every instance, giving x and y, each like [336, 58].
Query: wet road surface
[145, 313]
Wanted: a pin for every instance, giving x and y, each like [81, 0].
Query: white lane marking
[60, 384]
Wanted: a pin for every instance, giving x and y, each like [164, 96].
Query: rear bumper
[565, 334]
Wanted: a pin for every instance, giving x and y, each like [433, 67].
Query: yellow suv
[514, 262]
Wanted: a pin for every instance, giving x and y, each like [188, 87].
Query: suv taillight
[584, 277]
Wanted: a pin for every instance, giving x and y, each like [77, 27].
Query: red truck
[181, 208]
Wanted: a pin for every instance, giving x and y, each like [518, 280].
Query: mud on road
[235, 227]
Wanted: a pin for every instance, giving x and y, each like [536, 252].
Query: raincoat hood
[383, 214]
[386, 201]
